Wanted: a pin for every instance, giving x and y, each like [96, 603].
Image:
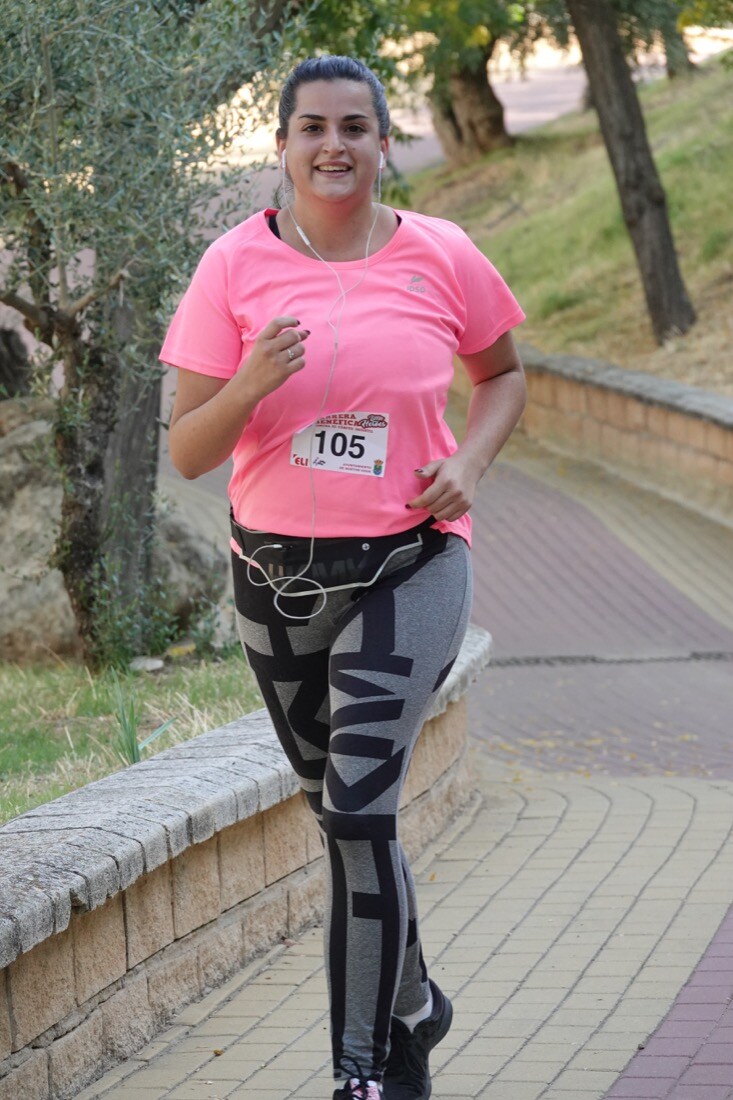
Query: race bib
[347, 443]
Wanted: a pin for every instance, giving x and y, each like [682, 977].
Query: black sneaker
[407, 1076]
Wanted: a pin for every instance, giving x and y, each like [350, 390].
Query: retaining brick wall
[673, 438]
[128, 899]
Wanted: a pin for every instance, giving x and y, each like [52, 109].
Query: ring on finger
[291, 354]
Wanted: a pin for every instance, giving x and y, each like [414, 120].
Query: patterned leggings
[347, 691]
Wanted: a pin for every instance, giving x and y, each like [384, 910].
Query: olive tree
[114, 125]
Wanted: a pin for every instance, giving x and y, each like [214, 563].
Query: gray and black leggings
[347, 691]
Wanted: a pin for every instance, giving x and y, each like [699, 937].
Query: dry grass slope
[547, 214]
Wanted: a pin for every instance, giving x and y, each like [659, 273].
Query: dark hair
[332, 67]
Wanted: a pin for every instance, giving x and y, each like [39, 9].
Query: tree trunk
[130, 470]
[642, 196]
[675, 51]
[81, 436]
[108, 455]
[15, 370]
[467, 116]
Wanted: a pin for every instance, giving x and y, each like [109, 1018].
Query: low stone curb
[663, 435]
[124, 901]
[649, 388]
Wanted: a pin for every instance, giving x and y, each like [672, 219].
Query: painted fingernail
[306, 332]
[419, 470]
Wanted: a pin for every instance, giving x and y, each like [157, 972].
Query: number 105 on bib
[345, 443]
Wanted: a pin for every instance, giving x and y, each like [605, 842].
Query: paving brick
[285, 831]
[242, 861]
[100, 950]
[195, 887]
[699, 1092]
[149, 914]
[5, 1036]
[717, 1053]
[76, 1058]
[708, 1074]
[657, 1065]
[641, 1089]
[41, 984]
[29, 1081]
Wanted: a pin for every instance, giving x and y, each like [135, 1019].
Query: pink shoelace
[357, 1090]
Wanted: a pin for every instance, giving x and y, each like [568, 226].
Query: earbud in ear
[382, 162]
[282, 161]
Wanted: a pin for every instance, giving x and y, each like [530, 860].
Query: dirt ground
[703, 356]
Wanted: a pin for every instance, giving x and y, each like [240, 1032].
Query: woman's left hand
[451, 493]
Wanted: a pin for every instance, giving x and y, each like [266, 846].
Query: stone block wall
[126, 900]
[673, 438]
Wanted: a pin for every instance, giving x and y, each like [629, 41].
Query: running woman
[315, 345]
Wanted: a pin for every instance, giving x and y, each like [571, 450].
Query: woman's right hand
[277, 353]
[210, 414]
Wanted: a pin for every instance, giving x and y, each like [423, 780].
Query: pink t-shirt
[427, 295]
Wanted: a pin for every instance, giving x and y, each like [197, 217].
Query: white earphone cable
[281, 584]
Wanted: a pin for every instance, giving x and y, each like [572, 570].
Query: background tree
[706, 13]
[462, 35]
[111, 133]
[643, 200]
[645, 25]
[441, 47]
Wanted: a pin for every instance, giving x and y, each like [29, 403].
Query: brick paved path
[601, 664]
[579, 912]
[562, 915]
[633, 635]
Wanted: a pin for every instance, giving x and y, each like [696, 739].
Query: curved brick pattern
[561, 917]
[568, 913]
[690, 1057]
[629, 702]
[633, 718]
[691, 551]
[554, 581]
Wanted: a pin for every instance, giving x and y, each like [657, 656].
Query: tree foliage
[707, 13]
[112, 132]
[111, 123]
[440, 47]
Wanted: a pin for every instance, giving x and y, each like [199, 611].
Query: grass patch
[715, 244]
[547, 213]
[59, 726]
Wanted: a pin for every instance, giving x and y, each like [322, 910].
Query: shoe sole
[445, 1026]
